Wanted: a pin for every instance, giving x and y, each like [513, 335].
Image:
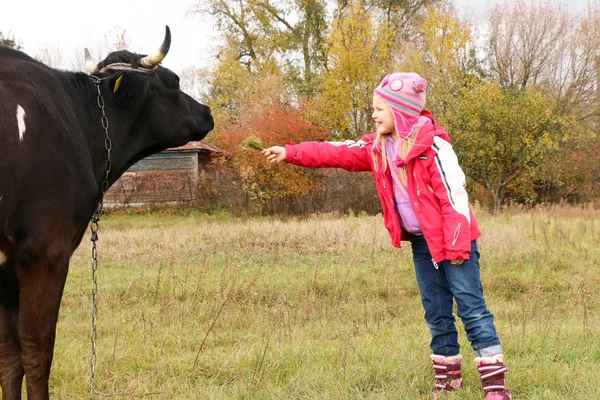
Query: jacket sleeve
[349, 155]
[448, 182]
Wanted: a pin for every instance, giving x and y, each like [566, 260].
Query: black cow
[53, 152]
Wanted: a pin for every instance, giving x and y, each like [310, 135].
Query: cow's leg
[41, 287]
[11, 369]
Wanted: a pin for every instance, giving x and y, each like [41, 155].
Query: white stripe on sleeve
[452, 175]
[349, 143]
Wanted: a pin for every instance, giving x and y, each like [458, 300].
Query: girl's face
[383, 117]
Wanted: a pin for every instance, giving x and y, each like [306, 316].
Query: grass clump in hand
[252, 143]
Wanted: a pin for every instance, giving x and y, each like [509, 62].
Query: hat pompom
[419, 85]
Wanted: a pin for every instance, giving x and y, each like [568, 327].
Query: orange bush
[263, 183]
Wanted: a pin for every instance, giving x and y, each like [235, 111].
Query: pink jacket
[436, 187]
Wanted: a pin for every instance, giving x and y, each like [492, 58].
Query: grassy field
[212, 307]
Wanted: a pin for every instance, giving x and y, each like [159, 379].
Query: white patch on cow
[2, 258]
[21, 121]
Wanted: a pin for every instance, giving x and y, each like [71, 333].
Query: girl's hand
[456, 262]
[275, 154]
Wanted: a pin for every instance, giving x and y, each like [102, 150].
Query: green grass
[194, 307]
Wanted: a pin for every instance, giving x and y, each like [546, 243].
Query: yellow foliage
[358, 58]
[439, 55]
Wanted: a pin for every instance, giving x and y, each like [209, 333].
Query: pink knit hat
[405, 94]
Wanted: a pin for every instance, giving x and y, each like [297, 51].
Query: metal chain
[94, 228]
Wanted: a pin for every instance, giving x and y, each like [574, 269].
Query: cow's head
[151, 94]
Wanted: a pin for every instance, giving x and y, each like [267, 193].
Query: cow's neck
[125, 147]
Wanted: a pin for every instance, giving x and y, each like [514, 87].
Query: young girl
[422, 192]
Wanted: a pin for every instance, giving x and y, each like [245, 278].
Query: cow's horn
[153, 60]
[90, 64]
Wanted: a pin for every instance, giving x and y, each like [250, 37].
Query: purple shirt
[408, 218]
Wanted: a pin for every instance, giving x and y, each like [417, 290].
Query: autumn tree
[502, 134]
[538, 43]
[301, 27]
[444, 54]
[289, 33]
[357, 59]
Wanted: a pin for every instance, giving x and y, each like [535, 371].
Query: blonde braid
[405, 148]
[380, 141]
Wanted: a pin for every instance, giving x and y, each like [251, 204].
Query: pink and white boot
[492, 370]
[447, 373]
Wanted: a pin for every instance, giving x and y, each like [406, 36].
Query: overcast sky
[71, 25]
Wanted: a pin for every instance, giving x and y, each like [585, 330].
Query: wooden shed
[168, 176]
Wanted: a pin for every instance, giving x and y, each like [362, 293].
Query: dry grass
[320, 308]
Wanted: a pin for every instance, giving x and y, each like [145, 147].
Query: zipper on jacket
[456, 233]
[435, 264]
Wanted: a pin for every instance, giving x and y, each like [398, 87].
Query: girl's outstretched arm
[349, 155]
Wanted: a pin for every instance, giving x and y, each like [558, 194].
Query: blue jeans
[438, 287]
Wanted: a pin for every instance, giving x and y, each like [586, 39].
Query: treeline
[517, 90]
